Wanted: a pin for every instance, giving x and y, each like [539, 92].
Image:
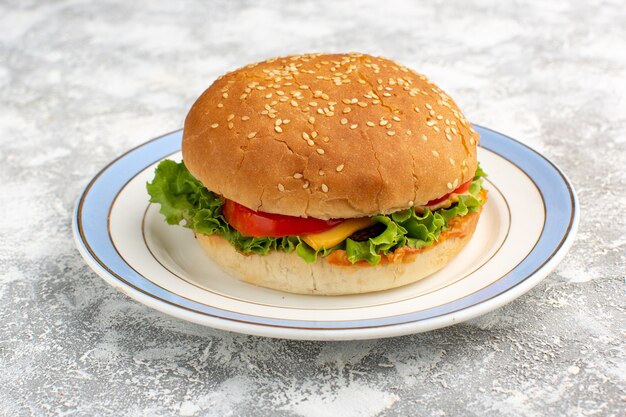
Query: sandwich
[325, 174]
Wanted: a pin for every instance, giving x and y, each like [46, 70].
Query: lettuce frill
[185, 201]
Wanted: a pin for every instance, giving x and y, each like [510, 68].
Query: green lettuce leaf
[184, 200]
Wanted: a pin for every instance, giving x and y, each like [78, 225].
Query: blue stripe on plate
[91, 222]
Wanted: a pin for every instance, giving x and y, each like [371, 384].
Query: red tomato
[259, 224]
[462, 189]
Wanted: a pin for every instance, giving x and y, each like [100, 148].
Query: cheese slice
[337, 234]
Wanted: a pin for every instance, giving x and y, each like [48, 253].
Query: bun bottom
[288, 272]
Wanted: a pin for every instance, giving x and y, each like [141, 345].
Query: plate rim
[321, 333]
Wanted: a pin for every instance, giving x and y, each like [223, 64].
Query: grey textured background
[82, 82]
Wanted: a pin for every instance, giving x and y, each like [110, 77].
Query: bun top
[328, 136]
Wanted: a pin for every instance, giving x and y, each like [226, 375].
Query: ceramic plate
[526, 228]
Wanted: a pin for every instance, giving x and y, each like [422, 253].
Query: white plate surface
[525, 229]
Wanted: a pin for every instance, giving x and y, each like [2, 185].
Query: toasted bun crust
[287, 272]
[328, 136]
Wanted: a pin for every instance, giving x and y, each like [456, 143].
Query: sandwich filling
[184, 200]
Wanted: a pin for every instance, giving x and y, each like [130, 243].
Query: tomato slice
[260, 224]
[462, 189]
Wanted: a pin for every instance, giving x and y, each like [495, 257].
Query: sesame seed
[455, 183]
[396, 118]
[320, 111]
[371, 124]
[294, 103]
[311, 119]
[312, 103]
[314, 134]
[430, 123]
[411, 203]
[325, 96]
[310, 142]
[391, 133]
[305, 185]
[362, 104]
[230, 117]
[448, 137]
[436, 154]
[305, 136]
[347, 110]
[278, 129]
[383, 122]
[297, 175]
[449, 186]
[451, 161]
[244, 118]
[321, 172]
[269, 95]
[251, 135]
[354, 126]
[281, 187]
[225, 95]
[424, 137]
[278, 122]
[320, 151]
[339, 168]
[428, 106]
[344, 121]
[304, 87]
[325, 188]
[220, 105]
[286, 121]
[230, 125]
[346, 101]
[385, 94]
[354, 101]
[214, 125]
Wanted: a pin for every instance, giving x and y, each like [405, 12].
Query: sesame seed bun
[328, 136]
[329, 276]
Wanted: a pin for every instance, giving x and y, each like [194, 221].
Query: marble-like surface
[82, 82]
